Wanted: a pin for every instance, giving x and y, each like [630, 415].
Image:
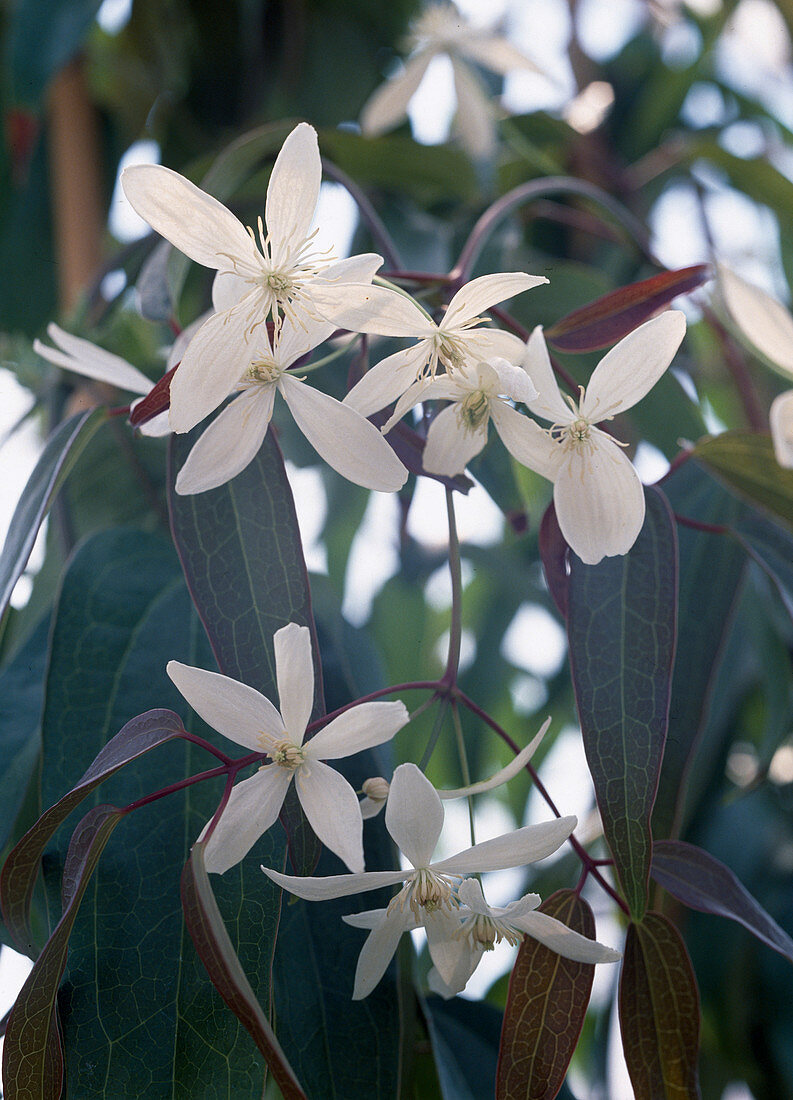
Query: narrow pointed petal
[188, 217]
[478, 295]
[549, 404]
[83, 357]
[227, 289]
[599, 501]
[361, 307]
[233, 709]
[485, 343]
[213, 364]
[780, 418]
[514, 381]
[470, 894]
[473, 120]
[511, 850]
[335, 886]
[386, 108]
[763, 320]
[229, 443]
[387, 380]
[314, 329]
[369, 918]
[442, 388]
[633, 366]
[331, 806]
[497, 54]
[371, 807]
[344, 438]
[359, 728]
[158, 427]
[252, 808]
[182, 341]
[414, 814]
[451, 444]
[450, 953]
[526, 441]
[294, 672]
[378, 951]
[517, 764]
[563, 940]
[293, 190]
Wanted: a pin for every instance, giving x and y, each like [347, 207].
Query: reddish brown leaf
[607, 319]
[214, 948]
[659, 1012]
[157, 400]
[32, 1055]
[22, 865]
[553, 552]
[546, 1004]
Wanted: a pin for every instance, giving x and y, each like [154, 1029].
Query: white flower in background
[598, 497]
[339, 434]
[458, 341]
[768, 327]
[414, 818]
[273, 278]
[442, 30]
[250, 719]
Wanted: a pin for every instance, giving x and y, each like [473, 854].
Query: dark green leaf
[659, 1012]
[621, 625]
[464, 1036]
[746, 462]
[43, 36]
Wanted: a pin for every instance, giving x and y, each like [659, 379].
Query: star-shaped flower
[269, 274]
[414, 818]
[251, 720]
[597, 493]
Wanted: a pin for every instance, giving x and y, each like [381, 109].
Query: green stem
[455, 627]
[440, 718]
[466, 772]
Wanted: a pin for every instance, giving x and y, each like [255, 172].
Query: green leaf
[621, 625]
[771, 546]
[745, 462]
[659, 1012]
[464, 1036]
[546, 1005]
[60, 453]
[43, 36]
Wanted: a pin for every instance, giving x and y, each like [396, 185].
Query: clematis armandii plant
[274, 278]
[597, 493]
[249, 719]
[414, 818]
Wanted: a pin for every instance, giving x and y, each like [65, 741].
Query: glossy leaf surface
[746, 462]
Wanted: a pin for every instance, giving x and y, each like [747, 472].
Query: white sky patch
[534, 641]
[467, 649]
[651, 464]
[605, 26]
[479, 520]
[438, 589]
[335, 220]
[566, 776]
[123, 222]
[374, 557]
[531, 22]
[113, 15]
[311, 504]
[14, 969]
[432, 107]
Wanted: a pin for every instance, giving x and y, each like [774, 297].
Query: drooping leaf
[57, 459]
[746, 462]
[659, 1012]
[606, 320]
[703, 882]
[464, 1036]
[621, 625]
[546, 1004]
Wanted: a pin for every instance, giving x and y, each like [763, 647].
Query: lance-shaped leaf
[22, 865]
[32, 1058]
[703, 882]
[156, 401]
[608, 319]
[621, 625]
[215, 950]
[659, 1012]
[546, 1004]
[745, 461]
[60, 453]
[553, 552]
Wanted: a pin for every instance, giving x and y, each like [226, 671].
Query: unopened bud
[376, 788]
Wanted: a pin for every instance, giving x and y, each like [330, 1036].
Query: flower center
[474, 410]
[425, 890]
[286, 754]
[261, 372]
[486, 932]
[578, 431]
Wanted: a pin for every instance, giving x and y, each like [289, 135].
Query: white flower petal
[335, 886]
[781, 420]
[344, 438]
[359, 728]
[331, 806]
[470, 894]
[293, 191]
[514, 381]
[378, 950]
[182, 341]
[484, 343]
[442, 387]
[599, 501]
[230, 442]
[158, 427]
[188, 217]
[450, 953]
[517, 764]
[525, 845]
[83, 357]
[762, 319]
[526, 441]
[370, 918]
[227, 289]
[473, 119]
[388, 380]
[487, 290]
[549, 404]
[361, 307]
[213, 364]
[414, 814]
[451, 444]
[633, 366]
[563, 940]
[252, 808]
[388, 105]
[371, 807]
[294, 672]
[496, 54]
[237, 711]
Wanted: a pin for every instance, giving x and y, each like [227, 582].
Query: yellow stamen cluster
[474, 410]
[425, 890]
[486, 932]
[287, 755]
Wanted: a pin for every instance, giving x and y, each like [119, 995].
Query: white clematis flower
[251, 720]
[597, 493]
[455, 343]
[442, 30]
[339, 434]
[768, 327]
[414, 818]
[480, 928]
[273, 278]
